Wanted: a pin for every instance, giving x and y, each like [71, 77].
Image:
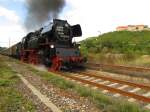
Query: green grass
[105, 103]
[119, 42]
[11, 100]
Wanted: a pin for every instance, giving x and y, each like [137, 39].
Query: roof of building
[122, 27]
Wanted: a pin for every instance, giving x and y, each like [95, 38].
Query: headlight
[52, 46]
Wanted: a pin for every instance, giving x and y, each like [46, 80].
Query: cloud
[9, 15]
[89, 15]
[10, 27]
[97, 16]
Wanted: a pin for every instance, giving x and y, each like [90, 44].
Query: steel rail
[147, 87]
[111, 89]
[139, 69]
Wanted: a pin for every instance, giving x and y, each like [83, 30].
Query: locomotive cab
[64, 32]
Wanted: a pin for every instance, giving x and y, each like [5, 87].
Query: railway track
[137, 69]
[116, 87]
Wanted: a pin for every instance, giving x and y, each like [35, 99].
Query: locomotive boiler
[52, 46]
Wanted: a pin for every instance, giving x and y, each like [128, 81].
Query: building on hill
[133, 28]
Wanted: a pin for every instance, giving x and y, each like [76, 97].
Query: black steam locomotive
[51, 46]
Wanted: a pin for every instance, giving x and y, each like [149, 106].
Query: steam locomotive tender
[51, 46]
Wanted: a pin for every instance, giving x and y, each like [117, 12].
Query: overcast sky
[95, 16]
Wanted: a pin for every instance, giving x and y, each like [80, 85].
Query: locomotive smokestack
[40, 11]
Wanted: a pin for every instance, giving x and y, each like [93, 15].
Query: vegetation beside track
[2, 48]
[11, 100]
[119, 47]
[120, 42]
[105, 103]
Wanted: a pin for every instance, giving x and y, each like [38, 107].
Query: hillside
[119, 47]
[119, 42]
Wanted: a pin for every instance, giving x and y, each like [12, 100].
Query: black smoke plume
[40, 11]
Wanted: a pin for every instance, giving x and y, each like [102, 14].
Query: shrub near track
[11, 100]
[105, 103]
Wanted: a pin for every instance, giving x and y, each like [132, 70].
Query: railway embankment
[65, 94]
[42, 81]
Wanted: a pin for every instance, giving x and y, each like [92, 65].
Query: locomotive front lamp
[52, 46]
